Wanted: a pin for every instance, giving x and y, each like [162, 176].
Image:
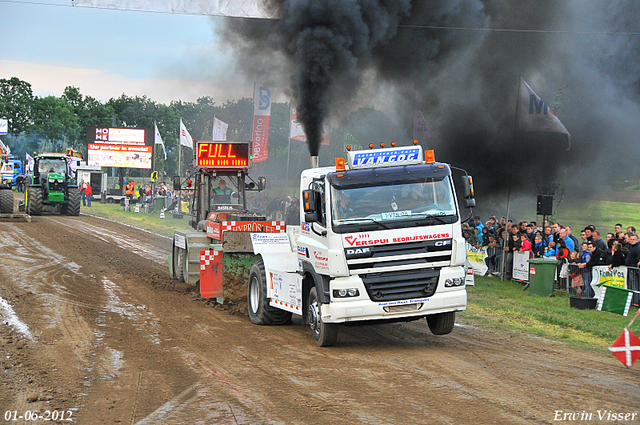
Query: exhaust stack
[315, 162]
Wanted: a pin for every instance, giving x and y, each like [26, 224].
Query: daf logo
[358, 252]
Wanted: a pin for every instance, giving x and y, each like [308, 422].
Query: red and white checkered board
[211, 274]
[626, 348]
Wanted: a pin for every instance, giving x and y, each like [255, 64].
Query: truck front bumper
[362, 310]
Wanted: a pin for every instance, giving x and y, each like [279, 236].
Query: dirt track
[92, 325]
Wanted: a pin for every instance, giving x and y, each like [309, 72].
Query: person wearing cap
[222, 188]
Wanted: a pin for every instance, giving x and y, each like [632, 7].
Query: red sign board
[215, 230]
[223, 155]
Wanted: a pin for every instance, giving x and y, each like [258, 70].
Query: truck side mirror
[469, 200]
[310, 205]
[262, 183]
[176, 182]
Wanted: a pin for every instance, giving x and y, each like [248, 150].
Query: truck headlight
[345, 293]
[456, 281]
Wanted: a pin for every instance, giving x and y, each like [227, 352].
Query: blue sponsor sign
[264, 98]
[386, 157]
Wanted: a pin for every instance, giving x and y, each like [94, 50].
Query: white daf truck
[380, 241]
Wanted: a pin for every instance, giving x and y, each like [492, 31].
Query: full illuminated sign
[386, 157]
[223, 155]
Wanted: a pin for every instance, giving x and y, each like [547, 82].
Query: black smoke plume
[465, 58]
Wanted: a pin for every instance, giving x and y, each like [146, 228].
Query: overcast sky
[105, 53]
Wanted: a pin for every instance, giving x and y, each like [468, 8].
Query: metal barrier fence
[581, 278]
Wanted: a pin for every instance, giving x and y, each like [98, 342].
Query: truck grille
[401, 285]
[403, 256]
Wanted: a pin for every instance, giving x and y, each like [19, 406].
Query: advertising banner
[120, 147]
[475, 259]
[261, 117]
[601, 275]
[521, 266]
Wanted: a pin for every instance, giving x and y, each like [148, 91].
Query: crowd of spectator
[502, 238]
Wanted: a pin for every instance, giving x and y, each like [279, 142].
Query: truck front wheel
[442, 323]
[325, 334]
[260, 312]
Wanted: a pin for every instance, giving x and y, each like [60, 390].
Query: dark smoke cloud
[576, 60]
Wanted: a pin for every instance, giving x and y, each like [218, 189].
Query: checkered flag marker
[627, 347]
[206, 258]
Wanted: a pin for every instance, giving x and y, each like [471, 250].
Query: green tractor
[51, 185]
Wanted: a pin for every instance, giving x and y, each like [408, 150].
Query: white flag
[535, 115]
[185, 137]
[297, 132]
[30, 163]
[219, 129]
[159, 141]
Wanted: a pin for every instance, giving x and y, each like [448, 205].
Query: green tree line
[51, 124]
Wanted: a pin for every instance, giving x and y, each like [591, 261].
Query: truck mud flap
[228, 272]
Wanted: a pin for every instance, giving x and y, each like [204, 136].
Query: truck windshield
[400, 203]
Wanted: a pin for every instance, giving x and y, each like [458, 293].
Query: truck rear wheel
[325, 334]
[6, 201]
[442, 323]
[34, 200]
[260, 312]
[73, 206]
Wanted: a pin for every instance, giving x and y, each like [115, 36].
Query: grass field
[503, 305]
[150, 222]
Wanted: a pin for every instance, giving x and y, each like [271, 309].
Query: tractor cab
[52, 174]
[221, 181]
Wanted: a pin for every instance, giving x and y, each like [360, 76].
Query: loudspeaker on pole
[544, 206]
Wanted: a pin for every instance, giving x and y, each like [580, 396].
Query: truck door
[313, 243]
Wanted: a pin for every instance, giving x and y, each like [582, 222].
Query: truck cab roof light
[429, 156]
[340, 164]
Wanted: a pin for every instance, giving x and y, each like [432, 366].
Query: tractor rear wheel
[260, 312]
[6, 201]
[34, 200]
[182, 257]
[73, 206]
